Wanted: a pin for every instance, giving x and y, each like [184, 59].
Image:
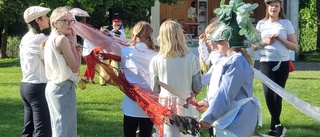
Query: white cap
[34, 12]
[79, 12]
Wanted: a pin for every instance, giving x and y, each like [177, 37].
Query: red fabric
[91, 66]
[111, 48]
[145, 98]
[291, 66]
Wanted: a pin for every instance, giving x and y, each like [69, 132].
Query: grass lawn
[99, 113]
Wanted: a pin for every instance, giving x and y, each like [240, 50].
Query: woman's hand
[268, 40]
[72, 38]
[204, 107]
[202, 37]
[203, 124]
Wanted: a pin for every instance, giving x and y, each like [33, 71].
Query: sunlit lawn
[99, 113]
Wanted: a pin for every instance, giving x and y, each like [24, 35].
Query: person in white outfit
[135, 60]
[33, 83]
[177, 67]
[62, 61]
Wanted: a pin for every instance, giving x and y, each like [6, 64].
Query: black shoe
[280, 131]
[271, 133]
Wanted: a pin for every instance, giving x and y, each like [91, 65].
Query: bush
[308, 26]
[13, 46]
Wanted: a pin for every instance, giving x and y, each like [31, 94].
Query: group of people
[50, 66]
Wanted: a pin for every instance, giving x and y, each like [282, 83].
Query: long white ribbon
[304, 107]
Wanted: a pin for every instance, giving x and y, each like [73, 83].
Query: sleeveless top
[56, 68]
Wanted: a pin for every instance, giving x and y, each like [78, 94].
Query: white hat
[34, 12]
[79, 12]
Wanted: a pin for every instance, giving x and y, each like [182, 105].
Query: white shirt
[87, 47]
[276, 51]
[122, 35]
[135, 62]
[33, 70]
[177, 73]
[192, 13]
[207, 57]
[57, 69]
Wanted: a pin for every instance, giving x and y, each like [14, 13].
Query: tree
[11, 12]
[318, 25]
[308, 26]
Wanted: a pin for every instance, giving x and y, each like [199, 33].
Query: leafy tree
[11, 12]
[308, 26]
[318, 25]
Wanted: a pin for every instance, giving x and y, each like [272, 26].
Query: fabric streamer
[304, 107]
[110, 48]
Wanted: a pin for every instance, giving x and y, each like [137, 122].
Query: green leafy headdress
[235, 24]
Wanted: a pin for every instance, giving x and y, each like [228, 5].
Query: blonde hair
[55, 15]
[142, 31]
[245, 54]
[210, 28]
[172, 40]
[281, 15]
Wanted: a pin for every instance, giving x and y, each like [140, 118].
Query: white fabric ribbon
[304, 107]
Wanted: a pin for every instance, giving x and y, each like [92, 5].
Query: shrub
[13, 46]
[308, 26]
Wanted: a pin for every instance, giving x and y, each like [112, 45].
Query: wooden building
[204, 10]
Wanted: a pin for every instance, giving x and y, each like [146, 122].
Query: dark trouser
[273, 100]
[36, 112]
[211, 132]
[130, 126]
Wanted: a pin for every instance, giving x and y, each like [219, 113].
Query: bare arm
[69, 52]
[290, 43]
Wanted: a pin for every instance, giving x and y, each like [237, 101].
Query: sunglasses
[68, 22]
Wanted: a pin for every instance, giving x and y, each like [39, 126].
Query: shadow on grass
[10, 62]
[11, 122]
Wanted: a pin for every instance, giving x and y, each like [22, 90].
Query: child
[232, 110]
[135, 60]
[117, 31]
[177, 67]
[208, 60]
[208, 57]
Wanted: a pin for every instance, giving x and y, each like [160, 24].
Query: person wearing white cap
[33, 83]
[62, 61]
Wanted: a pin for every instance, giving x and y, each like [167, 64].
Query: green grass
[99, 113]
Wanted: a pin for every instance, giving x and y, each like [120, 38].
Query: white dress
[177, 73]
